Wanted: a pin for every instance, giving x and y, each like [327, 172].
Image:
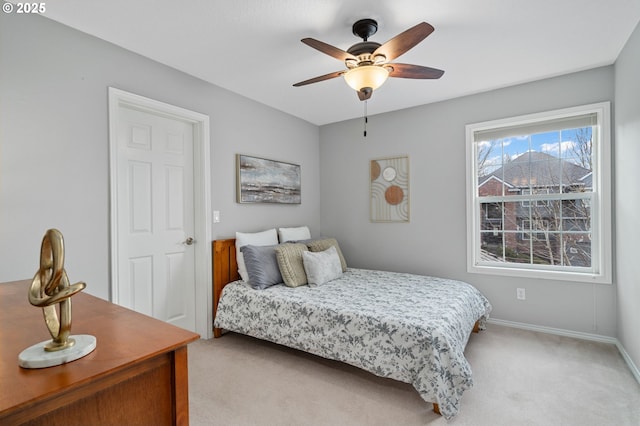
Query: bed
[406, 327]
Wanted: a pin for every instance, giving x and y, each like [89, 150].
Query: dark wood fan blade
[404, 41]
[328, 49]
[319, 78]
[413, 71]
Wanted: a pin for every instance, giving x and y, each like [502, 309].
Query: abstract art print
[389, 189]
[267, 181]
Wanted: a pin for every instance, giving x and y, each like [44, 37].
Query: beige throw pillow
[289, 258]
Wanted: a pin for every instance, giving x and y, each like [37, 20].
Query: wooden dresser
[137, 375]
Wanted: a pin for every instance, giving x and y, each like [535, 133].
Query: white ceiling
[252, 47]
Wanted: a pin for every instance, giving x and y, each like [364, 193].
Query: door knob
[189, 241]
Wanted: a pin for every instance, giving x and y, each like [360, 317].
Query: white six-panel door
[155, 216]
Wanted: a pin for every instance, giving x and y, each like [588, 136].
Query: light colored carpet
[521, 378]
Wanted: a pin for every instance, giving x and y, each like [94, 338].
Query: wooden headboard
[225, 270]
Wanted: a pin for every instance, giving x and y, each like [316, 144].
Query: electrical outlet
[520, 294]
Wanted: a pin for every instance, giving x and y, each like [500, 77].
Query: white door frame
[202, 195]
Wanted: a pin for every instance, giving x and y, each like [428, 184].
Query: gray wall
[434, 242]
[54, 169]
[627, 195]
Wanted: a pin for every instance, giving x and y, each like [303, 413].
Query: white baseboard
[575, 334]
[556, 331]
[629, 361]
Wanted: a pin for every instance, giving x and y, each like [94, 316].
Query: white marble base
[36, 357]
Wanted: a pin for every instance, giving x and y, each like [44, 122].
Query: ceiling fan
[368, 63]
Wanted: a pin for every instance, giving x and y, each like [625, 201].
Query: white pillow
[294, 234]
[264, 238]
[321, 267]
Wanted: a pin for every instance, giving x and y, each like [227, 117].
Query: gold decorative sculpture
[50, 287]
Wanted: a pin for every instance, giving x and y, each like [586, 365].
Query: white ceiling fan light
[371, 76]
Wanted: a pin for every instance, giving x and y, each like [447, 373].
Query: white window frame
[533, 228]
[601, 253]
[537, 203]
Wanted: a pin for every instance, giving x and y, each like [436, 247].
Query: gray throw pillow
[322, 267]
[262, 266]
[325, 243]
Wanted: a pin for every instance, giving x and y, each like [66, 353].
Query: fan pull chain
[366, 119]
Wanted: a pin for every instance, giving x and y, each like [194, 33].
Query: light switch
[216, 216]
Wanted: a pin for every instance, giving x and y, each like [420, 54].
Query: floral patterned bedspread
[410, 328]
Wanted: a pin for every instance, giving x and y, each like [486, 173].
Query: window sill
[543, 274]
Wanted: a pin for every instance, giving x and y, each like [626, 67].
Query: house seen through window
[539, 195]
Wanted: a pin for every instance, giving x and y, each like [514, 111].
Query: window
[539, 195]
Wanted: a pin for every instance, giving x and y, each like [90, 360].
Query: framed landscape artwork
[389, 193]
[267, 181]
